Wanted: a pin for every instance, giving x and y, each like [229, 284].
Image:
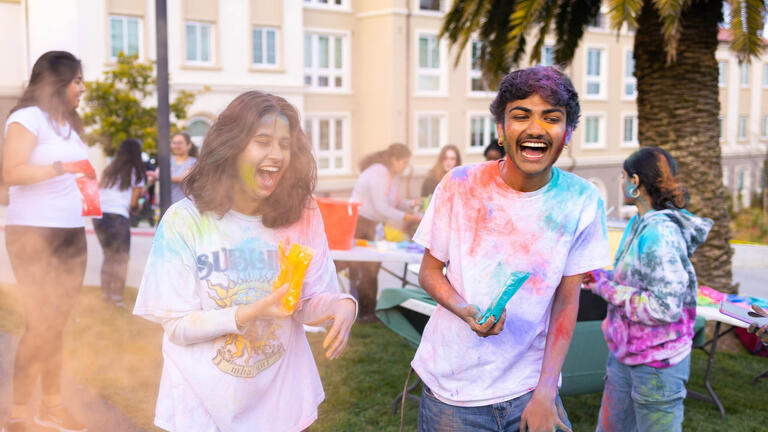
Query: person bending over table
[378, 191]
[651, 299]
[485, 222]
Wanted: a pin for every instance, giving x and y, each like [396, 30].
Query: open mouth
[533, 150]
[268, 176]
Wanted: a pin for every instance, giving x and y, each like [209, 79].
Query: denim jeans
[114, 233]
[643, 398]
[435, 415]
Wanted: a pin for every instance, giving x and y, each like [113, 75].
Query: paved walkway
[99, 414]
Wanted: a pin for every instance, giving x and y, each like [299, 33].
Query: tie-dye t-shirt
[652, 292]
[263, 378]
[484, 230]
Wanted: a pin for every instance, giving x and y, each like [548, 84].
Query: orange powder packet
[293, 269]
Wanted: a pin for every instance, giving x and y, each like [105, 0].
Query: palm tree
[676, 71]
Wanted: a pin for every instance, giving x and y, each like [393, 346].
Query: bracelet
[58, 168]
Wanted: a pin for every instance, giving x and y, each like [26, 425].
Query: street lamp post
[163, 110]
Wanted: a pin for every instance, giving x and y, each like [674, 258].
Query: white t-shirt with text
[200, 268]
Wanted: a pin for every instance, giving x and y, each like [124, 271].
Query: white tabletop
[711, 313]
[369, 254]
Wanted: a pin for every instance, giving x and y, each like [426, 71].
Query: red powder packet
[89, 192]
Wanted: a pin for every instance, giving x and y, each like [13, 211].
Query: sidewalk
[99, 414]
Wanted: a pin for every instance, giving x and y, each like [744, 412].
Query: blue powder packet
[515, 281]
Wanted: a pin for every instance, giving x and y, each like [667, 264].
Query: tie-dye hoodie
[652, 293]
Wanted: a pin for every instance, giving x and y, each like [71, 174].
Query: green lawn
[118, 356]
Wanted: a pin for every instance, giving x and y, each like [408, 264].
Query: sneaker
[58, 418]
[14, 425]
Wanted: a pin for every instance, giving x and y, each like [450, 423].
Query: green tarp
[584, 366]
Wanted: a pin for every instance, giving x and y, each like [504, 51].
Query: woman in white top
[44, 233]
[184, 158]
[119, 189]
[378, 191]
[234, 359]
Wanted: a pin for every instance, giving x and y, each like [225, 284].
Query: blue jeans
[643, 398]
[435, 415]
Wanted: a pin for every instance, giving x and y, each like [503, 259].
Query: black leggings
[49, 266]
[114, 234]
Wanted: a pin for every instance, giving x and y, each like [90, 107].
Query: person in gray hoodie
[651, 297]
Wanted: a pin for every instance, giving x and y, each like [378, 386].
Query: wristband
[58, 168]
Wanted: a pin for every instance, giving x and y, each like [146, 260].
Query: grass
[749, 225]
[118, 357]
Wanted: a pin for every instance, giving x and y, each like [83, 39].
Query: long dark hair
[188, 139]
[47, 88]
[657, 171]
[213, 177]
[437, 171]
[127, 162]
[394, 151]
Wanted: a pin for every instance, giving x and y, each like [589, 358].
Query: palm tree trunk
[677, 110]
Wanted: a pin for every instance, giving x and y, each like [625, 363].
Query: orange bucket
[340, 220]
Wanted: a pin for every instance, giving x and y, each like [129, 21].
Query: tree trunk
[677, 110]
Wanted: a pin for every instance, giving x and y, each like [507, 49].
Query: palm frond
[547, 15]
[746, 23]
[670, 12]
[520, 23]
[461, 22]
[494, 58]
[572, 18]
[624, 11]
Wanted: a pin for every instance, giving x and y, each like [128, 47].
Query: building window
[197, 127]
[722, 70]
[594, 76]
[598, 23]
[593, 131]
[124, 36]
[429, 130]
[324, 63]
[745, 74]
[476, 82]
[265, 46]
[720, 120]
[429, 73]
[547, 55]
[630, 82]
[327, 136]
[764, 127]
[430, 5]
[199, 40]
[482, 131]
[325, 2]
[742, 128]
[629, 136]
[765, 75]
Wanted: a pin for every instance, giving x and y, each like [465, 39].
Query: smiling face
[451, 160]
[74, 90]
[399, 165]
[533, 134]
[261, 164]
[179, 145]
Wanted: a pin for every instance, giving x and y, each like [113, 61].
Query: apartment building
[366, 73]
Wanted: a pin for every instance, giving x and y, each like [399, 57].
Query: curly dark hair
[546, 81]
[657, 170]
[212, 179]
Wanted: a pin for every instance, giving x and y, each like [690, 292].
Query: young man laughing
[485, 222]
